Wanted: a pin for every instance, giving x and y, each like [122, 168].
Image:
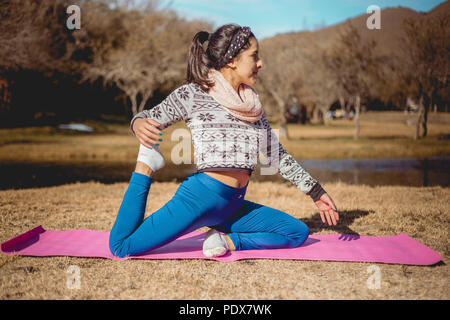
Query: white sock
[214, 244]
[151, 157]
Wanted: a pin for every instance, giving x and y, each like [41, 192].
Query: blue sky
[269, 17]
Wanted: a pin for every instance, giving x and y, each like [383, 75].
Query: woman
[229, 129]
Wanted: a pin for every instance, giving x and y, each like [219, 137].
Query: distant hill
[388, 38]
[443, 7]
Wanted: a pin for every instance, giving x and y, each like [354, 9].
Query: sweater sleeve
[283, 163]
[175, 107]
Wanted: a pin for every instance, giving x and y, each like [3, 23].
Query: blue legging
[200, 201]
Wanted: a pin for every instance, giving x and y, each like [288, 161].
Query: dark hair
[200, 61]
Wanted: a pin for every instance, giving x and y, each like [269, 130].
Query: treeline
[122, 58]
[126, 58]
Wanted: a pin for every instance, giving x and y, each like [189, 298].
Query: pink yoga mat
[399, 249]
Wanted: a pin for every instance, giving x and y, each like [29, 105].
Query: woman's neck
[235, 83]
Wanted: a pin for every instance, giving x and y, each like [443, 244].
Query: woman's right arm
[147, 125]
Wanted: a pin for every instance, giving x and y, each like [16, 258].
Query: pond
[372, 172]
[386, 171]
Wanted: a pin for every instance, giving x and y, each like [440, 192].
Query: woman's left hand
[327, 209]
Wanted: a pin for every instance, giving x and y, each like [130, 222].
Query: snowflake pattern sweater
[223, 142]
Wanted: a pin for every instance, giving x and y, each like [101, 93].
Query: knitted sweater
[222, 142]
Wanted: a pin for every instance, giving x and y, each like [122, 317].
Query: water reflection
[405, 171]
[373, 172]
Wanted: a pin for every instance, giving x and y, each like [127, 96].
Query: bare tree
[275, 85]
[355, 68]
[134, 45]
[32, 36]
[427, 67]
[153, 57]
[284, 73]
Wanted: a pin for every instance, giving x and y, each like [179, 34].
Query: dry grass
[382, 135]
[381, 125]
[421, 213]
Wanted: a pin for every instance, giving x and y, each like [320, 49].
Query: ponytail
[198, 62]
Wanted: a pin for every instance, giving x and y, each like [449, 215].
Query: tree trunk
[283, 125]
[419, 118]
[343, 105]
[316, 114]
[325, 110]
[426, 107]
[282, 119]
[145, 97]
[133, 104]
[357, 112]
[284, 131]
[5, 96]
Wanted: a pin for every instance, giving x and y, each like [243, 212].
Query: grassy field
[420, 212]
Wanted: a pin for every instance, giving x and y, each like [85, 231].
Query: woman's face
[248, 63]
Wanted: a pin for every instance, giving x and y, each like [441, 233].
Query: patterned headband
[238, 41]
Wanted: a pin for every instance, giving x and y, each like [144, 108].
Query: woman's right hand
[327, 210]
[146, 131]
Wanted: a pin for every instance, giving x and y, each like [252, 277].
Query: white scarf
[250, 109]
